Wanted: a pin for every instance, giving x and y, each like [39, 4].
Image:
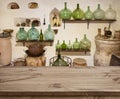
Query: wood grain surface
[59, 82]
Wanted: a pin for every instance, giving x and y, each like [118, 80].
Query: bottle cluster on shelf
[83, 45]
[79, 14]
[33, 34]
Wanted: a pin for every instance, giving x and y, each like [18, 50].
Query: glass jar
[110, 13]
[59, 61]
[33, 33]
[63, 45]
[69, 46]
[49, 33]
[76, 45]
[78, 13]
[99, 13]
[65, 13]
[58, 45]
[85, 44]
[21, 34]
[89, 14]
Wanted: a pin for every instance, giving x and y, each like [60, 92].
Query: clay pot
[35, 50]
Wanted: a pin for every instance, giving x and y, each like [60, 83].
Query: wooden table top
[60, 81]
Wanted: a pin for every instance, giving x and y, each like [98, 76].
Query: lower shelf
[75, 53]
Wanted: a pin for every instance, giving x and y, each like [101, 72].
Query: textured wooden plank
[60, 81]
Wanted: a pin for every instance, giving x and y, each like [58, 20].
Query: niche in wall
[26, 22]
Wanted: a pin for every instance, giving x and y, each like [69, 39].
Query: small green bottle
[69, 46]
[76, 45]
[41, 35]
[63, 45]
[58, 46]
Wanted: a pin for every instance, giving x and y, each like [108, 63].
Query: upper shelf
[88, 21]
[44, 42]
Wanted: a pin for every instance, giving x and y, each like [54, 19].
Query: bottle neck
[41, 31]
[85, 36]
[21, 29]
[88, 8]
[98, 6]
[59, 55]
[76, 40]
[63, 41]
[49, 27]
[99, 31]
[77, 6]
[58, 42]
[110, 7]
[69, 42]
[65, 5]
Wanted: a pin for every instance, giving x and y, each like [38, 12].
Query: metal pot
[35, 50]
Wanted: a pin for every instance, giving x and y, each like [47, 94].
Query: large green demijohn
[78, 13]
[65, 13]
[33, 33]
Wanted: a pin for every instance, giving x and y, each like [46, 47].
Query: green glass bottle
[60, 61]
[21, 34]
[63, 45]
[58, 45]
[41, 35]
[78, 13]
[99, 14]
[110, 13]
[76, 45]
[65, 13]
[89, 14]
[85, 44]
[33, 33]
[49, 33]
[69, 46]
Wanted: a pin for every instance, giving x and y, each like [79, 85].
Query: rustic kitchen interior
[15, 18]
[82, 35]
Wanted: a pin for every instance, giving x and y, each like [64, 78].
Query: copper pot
[35, 50]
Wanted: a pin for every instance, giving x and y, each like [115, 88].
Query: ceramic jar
[49, 33]
[99, 14]
[5, 49]
[33, 33]
[78, 13]
[65, 13]
[89, 14]
[110, 13]
[21, 34]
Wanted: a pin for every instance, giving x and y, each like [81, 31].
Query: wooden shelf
[75, 53]
[88, 21]
[26, 43]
